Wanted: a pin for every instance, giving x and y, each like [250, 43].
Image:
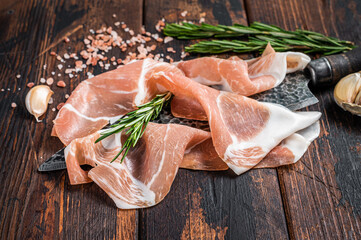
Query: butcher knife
[292, 93]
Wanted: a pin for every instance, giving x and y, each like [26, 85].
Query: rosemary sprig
[258, 34]
[135, 122]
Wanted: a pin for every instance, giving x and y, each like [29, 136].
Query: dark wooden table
[317, 198]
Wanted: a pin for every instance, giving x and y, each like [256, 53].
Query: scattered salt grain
[61, 84]
[67, 96]
[18, 76]
[114, 15]
[2, 90]
[50, 81]
[184, 13]
[78, 64]
[42, 80]
[53, 73]
[60, 105]
[155, 36]
[117, 24]
[183, 55]
[53, 109]
[53, 53]
[66, 39]
[168, 39]
[170, 49]
[69, 70]
[66, 56]
[60, 66]
[51, 100]
[13, 105]
[30, 85]
[44, 67]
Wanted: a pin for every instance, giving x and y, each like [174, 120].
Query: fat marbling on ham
[244, 133]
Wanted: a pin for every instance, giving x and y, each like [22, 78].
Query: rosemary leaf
[135, 123]
[255, 38]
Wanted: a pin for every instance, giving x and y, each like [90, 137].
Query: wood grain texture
[317, 198]
[322, 191]
[45, 206]
[212, 205]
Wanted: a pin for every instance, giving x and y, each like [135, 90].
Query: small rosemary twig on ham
[259, 35]
[135, 122]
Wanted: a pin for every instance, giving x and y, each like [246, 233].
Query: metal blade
[55, 162]
[292, 93]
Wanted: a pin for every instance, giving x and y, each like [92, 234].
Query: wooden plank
[45, 206]
[322, 191]
[212, 205]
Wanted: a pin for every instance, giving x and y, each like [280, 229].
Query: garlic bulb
[347, 93]
[37, 100]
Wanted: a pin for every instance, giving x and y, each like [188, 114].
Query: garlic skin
[347, 93]
[37, 100]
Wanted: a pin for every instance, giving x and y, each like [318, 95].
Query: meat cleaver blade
[55, 162]
[292, 93]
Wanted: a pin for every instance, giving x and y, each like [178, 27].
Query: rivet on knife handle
[329, 70]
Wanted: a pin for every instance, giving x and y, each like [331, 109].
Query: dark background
[317, 198]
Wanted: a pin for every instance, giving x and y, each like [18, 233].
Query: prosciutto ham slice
[235, 75]
[243, 130]
[108, 96]
[244, 77]
[290, 150]
[244, 133]
[148, 170]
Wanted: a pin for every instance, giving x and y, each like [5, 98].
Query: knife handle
[329, 70]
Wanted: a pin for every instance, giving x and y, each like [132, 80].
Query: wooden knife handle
[329, 70]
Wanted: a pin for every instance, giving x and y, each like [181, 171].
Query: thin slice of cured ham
[235, 75]
[112, 94]
[108, 96]
[243, 133]
[148, 170]
[243, 130]
[289, 151]
[244, 77]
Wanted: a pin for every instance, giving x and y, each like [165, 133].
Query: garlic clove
[37, 100]
[358, 98]
[352, 108]
[347, 93]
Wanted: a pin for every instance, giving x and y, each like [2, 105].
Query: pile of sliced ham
[243, 133]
